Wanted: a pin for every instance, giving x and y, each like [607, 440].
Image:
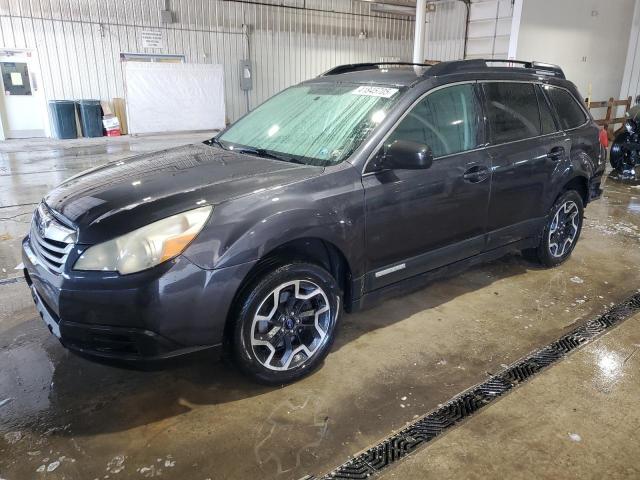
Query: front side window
[569, 111]
[512, 110]
[315, 124]
[445, 120]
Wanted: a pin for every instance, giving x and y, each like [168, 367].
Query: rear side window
[546, 117]
[569, 110]
[445, 120]
[512, 109]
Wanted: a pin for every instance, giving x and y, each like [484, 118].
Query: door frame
[30, 57]
[424, 262]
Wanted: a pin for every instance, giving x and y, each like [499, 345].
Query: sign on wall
[151, 38]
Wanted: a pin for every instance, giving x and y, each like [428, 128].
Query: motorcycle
[625, 150]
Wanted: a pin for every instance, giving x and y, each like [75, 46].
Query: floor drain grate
[467, 403]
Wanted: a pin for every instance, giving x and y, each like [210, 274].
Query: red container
[113, 133]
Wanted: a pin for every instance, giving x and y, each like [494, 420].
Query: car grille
[50, 240]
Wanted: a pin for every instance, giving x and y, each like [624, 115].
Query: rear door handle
[476, 174]
[556, 153]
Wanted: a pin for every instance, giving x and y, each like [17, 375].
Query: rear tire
[561, 231]
[617, 154]
[286, 323]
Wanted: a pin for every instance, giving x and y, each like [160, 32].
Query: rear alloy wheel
[561, 232]
[287, 323]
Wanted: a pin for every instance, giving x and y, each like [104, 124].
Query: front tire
[561, 232]
[286, 323]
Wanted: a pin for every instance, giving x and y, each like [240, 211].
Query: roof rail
[356, 67]
[458, 66]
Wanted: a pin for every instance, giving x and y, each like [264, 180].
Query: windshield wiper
[261, 152]
[215, 141]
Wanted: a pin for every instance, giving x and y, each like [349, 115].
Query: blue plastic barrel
[90, 113]
[63, 118]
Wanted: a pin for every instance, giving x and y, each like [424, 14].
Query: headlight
[145, 247]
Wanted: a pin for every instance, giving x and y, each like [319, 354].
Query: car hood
[118, 197]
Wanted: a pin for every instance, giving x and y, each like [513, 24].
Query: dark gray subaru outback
[333, 194]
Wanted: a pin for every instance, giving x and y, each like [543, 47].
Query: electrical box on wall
[166, 16]
[246, 75]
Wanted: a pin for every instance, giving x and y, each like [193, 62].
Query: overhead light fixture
[393, 8]
[401, 9]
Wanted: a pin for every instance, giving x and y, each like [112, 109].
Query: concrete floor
[76, 419]
[575, 420]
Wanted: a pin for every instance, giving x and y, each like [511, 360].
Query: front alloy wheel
[291, 324]
[286, 322]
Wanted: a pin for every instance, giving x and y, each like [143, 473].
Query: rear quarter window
[570, 113]
[546, 117]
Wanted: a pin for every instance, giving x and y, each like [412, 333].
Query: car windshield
[314, 124]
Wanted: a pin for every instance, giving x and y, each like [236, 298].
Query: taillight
[604, 138]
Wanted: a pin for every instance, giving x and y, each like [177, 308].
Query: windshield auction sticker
[375, 91]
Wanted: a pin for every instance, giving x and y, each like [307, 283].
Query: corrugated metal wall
[446, 31]
[78, 42]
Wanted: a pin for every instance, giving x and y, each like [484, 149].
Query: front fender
[328, 207]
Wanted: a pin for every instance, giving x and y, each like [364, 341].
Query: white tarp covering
[171, 97]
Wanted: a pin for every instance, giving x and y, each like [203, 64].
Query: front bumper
[173, 309]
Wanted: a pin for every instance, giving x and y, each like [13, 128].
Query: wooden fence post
[607, 119]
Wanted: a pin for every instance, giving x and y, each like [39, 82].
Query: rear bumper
[595, 189]
[171, 310]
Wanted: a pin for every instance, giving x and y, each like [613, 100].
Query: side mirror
[406, 155]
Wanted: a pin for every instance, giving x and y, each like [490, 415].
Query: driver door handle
[476, 174]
